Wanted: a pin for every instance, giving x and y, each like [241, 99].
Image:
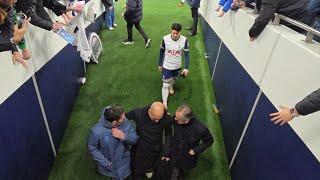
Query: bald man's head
[156, 111]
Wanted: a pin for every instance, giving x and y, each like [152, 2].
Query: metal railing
[311, 31]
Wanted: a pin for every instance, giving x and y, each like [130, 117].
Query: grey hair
[186, 112]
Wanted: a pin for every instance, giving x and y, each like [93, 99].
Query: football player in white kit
[170, 60]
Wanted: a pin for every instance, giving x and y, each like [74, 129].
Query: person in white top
[171, 49]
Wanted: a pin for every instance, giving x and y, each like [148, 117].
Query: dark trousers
[195, 16]
[139, 28]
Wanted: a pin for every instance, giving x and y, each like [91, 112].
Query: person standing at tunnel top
[151, 121]
[109, 143]
[133, 16]
[109, 14]
[170, 58]
[194, 6]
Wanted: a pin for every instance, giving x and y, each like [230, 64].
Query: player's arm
[161, 57]
[186, 59]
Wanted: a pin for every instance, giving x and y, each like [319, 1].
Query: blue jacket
[226, 4]
[112, 154]
[194, 3]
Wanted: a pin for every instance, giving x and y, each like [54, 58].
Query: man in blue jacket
[109, 143]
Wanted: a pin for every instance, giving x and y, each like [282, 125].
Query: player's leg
[174, 78]
[166, 79]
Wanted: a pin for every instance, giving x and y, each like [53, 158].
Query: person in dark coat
[314, 9]
[39, 16]
[308, 105]
[194, 6]
[109, 143]
[10, 34]
[295, 9]
[185, 144]
[150, 121]
[133, 16]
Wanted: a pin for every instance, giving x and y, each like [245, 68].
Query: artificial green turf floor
[128, 75]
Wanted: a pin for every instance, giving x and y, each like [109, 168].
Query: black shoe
[188, 28]
[191, 34]
[127, 42]
[147, 43]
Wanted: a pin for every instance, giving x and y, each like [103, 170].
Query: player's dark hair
[176, 26]
[114, 113]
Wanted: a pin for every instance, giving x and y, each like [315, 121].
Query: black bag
[162, 171]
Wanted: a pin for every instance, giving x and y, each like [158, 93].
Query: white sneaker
[171, 90]
[110, 28]
[127, 42]
[115, 25]
[147, 43]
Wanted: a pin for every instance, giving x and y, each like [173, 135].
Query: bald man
[150, 122]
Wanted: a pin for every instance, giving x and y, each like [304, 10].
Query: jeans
[109, 17]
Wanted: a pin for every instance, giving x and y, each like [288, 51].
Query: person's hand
[17, 57]
[19, 33]
[185, 72]
[218, 8]
[56, 26]
[191, 152]
[282, 117]
[160, 68]
[242, 4]
[77, 8]
[220, 12]
[165, 158]
[26, 54]
[117, 133]
[110, 8]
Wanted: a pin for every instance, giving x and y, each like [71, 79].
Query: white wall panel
[292, 75]
[44, 45]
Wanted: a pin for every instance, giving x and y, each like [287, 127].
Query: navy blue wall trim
[235, 93]
[59, 82]
[264, 143]
[25, 151]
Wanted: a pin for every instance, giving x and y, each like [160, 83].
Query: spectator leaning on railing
[314, 9]
[295, 9]
[308, 105]
[10, 34]
[39, 17]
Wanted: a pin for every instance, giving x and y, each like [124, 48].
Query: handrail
[311, 31]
